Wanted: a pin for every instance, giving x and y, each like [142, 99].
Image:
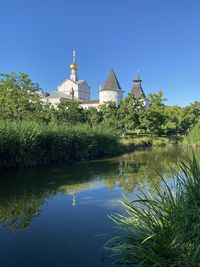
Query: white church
[79, 90]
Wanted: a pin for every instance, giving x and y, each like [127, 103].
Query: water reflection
[23, 192]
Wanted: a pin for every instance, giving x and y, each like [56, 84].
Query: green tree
[109, 114]
[173, 118]
[153, 118]
[190, 118]
[93, 116]
[69, 112]
[128, 114]
[20, 98]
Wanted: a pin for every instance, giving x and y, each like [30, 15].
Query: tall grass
[30, 143]
[162, 229]
[194, 136]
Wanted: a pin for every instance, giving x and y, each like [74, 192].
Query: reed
[161, 229]
[194, 136]
[30, 143]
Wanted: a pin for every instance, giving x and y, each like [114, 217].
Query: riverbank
[142, 141]
[30, 144]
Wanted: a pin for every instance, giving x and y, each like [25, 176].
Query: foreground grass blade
[161, 229]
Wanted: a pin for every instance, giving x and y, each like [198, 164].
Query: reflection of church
[73, 194]
[76, 89]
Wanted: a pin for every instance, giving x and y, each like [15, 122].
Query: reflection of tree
[20, 201]
[23, 192]
[17, 214]
[146, 166]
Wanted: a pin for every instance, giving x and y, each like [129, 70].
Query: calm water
[57, 215]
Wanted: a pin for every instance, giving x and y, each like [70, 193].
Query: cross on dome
[74, 66]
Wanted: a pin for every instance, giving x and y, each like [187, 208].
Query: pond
[58, 215]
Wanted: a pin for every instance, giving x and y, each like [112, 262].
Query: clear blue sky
[160, 38]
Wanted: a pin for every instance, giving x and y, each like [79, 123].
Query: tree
[93, 116]
[190, 117]
[20, 98]
[69, 112]
[153, 118]
[173, 118]
[128, 114]
[109, 114]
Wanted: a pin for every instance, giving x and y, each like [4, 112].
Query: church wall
[81, 90]
[67, 86]
[86, 106]
[54, 101]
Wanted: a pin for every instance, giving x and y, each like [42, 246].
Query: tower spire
[74, 57]
[74, 68]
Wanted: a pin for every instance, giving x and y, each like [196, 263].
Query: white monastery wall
[105, 96]
[89, 105]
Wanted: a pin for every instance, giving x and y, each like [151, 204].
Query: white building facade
[78, 89]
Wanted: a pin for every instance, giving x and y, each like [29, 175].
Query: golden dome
[74, 66]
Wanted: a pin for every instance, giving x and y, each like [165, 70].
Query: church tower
[138, 92]
[73, 88]
[111, 90]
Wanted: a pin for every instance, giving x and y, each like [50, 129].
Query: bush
[162, 229]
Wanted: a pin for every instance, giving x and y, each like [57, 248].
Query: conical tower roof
[137, 90]
[111, 83]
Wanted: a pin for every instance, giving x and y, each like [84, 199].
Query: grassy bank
[162, 229]
[29, 143]
[140, 141]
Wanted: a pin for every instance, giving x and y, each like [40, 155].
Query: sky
[158, 38]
